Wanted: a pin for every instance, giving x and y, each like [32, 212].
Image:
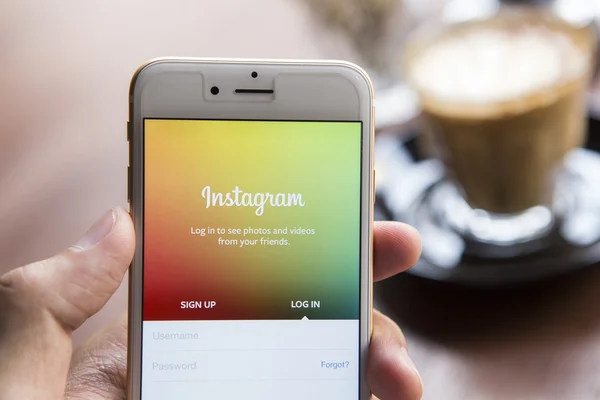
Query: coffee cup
[503, 102]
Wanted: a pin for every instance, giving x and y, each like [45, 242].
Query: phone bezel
[174, 88]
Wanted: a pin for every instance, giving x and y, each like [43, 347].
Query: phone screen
[251, 259]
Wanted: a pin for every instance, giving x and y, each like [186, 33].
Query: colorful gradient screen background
[319, 160]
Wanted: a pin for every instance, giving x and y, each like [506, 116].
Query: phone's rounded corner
[144, 69]
[359, 72]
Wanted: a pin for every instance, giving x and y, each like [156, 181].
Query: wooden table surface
[540, 341]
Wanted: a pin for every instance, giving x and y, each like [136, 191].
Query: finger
[76, 283]
[42, 303]
[99, 366]
[390, 371]
[34, 349]
[397, 247]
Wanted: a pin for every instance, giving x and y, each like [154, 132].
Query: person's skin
[42, 303]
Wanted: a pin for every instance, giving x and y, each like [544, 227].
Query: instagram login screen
[251, 260]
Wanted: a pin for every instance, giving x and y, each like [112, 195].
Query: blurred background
[487, 142]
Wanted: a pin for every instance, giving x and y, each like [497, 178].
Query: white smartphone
[251, 189]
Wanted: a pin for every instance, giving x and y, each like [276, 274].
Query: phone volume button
[374, 186]
[128, 184]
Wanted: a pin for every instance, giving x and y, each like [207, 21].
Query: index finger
[396, 248]
[99, 366]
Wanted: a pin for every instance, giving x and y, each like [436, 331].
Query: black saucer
[404, 186]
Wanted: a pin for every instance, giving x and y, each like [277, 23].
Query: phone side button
[128, 131]
[374, 186]
[128, 184]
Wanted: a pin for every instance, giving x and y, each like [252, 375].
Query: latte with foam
[503, 102]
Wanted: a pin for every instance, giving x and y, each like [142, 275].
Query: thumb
[42, 303]
[76, 283]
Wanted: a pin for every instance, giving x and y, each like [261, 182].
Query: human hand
[41, 304]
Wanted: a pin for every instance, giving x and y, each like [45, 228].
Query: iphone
[251, 190]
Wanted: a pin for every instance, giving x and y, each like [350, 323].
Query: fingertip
[397, 247]
[391, 372]
[393, 377]
[124, 229]
[123, 222]
[120, 242]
